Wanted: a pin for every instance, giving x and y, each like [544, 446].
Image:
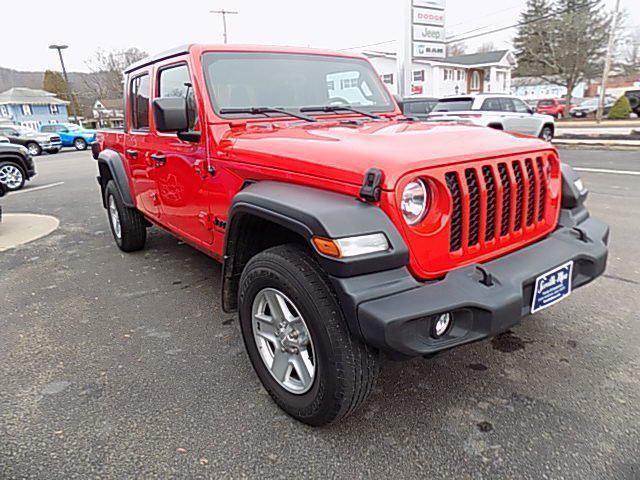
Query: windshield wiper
[264, 111]
[337, 108]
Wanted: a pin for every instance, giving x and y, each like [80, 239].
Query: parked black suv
[634, 100]
[418, 107]
[34, 142]
[16, 166]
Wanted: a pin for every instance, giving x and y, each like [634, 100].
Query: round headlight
[414, 201]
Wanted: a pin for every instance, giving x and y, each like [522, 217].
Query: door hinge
[220, 224]
[206, 220]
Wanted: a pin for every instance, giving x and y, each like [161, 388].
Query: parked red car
[345, 229]
[555, 107]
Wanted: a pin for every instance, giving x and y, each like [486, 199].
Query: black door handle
[132, 153]
[159, 158]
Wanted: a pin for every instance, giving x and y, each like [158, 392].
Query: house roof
[468, 60]
[21, 95]
[112, 103]
[477, 58]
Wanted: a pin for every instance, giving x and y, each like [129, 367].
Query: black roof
[477, 58]
[174, 52]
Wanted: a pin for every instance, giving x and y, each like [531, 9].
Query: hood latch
[371, 189]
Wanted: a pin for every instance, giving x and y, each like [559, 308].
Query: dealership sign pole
[422, 36]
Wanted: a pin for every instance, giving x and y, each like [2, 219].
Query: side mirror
[170, 114]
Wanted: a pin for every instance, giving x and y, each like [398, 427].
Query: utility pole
[224, 14]
[59, 48]
[607, 62]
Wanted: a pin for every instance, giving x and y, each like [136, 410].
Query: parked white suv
[502, 112]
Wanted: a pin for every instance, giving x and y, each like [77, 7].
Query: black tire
[547, 133]
[20, 181]
[133, 233]
[346, 368]
[80, 144]
[34, 148]
[53, 151]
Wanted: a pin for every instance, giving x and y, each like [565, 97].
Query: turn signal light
[326, 246]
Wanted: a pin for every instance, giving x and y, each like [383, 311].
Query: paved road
[118, 366]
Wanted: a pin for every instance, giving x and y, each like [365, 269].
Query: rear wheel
[12, 176]
[127, 224]
[80, 144]
[298, 340]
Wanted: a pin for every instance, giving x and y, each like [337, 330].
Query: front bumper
[46, 146]
[394, 312]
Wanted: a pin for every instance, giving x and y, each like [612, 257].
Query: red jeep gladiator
[346, 230]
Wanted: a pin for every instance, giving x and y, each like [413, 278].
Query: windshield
[72, 128]
[239, 80]
[458, 105]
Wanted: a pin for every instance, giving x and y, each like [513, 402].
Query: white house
[108, 113]
[488, 72]
[532, 88]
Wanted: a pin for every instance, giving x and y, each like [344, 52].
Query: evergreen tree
[562, 41]
[621, 110]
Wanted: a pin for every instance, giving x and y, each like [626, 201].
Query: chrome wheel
[115, 217]
[11, 176]
[79, 144]
[283, 341]
[34, 149]
[547, 134]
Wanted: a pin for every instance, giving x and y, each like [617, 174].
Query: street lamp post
[59, 48]
[224, 14]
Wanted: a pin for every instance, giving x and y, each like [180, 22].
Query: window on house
[173, 82]
[460, 75]
[26, 110]
[4, 111]
[139, 102]
[388, 78]
[331, 85]
[53, 109]
[418, 76]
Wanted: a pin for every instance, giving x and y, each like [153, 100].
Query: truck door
[181, 166]
[529, 123]
[138, 144]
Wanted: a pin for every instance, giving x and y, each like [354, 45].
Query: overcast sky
[29, 26]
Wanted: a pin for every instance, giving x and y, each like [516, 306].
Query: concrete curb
[19, 228]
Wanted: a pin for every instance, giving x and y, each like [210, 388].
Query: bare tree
[486, 47]
[630, 61]
[455, 49]
[107, 68]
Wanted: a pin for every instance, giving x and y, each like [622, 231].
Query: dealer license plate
[551, 287]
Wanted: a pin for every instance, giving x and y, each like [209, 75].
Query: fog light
[441, 325]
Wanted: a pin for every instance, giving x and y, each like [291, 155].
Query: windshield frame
[389, 108]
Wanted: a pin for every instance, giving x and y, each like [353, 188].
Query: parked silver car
[502, 112]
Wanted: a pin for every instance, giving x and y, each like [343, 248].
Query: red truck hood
[344, 152]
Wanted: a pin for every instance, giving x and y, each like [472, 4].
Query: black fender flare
[310, 212]
[114, 162]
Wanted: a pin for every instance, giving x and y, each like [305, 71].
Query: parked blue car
[71, 134]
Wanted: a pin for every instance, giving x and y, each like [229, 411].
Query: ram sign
[429, 50]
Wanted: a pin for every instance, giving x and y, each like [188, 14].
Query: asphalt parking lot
[120, 366]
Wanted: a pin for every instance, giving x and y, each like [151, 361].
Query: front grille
[498, 199]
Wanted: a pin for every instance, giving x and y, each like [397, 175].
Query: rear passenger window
[139, 102]
[507, 105]
[491, 105]
[176, 82]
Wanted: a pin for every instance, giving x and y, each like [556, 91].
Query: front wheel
[127, 224]
[298, 340]
[547, 133]
[80, 144]
[34, 149]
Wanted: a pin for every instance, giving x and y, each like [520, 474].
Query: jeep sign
[428, 34]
